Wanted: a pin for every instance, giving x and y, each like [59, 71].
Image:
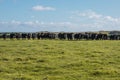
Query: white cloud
[42, 8]
[94, 20]
[34, 26]
[109, 18]
[90, 14]
[15, 22]
[95, 16]
[79, 21]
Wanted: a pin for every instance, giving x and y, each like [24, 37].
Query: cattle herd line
[59, 35]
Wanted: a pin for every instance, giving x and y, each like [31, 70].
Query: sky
[59, 15]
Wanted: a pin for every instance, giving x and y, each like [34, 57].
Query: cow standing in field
[79, 36]
[76, 36]
[42, 35]
[51, 36]
[24, 35]
[12, 36]
[18, 36]
[33, 36]
[70, 36]
[105, 36]
[56, 35]
[38, 36]
[86, 36]
[65, 36]
[4, 36]
[99, 36]
[0, 35]
[29, 36]
[47, 35]
[93, 36]
[62, 36]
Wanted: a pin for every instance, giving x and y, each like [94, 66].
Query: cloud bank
[79, 21]
[97, 21]
[42, 8]
[31, 26]
[93, 15]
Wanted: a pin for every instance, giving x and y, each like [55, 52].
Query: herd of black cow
[59, 35]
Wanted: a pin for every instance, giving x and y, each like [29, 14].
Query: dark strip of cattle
[60, 35]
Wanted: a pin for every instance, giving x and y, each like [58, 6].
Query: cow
[38, 36]
[24, 36]
[18, 36]
[70, 36]
[4, 36]
[62, 36]
[29, 36]
[33, 36]
[12, 36]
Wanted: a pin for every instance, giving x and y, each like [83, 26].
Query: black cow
[24, 36]
[18, 36]
[93, 36]
[70, 36]
[4, 36]
[62, 36]
[38, 36]
[33, 36]
[105, 36]
[12, 36]
[29, 36]
[76, 36]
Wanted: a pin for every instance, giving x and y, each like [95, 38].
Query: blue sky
[59, 15]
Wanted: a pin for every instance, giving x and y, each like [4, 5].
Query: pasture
[59, 60]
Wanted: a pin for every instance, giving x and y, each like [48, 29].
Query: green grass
[59, 60]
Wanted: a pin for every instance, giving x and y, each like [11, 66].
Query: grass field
[59, 60]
